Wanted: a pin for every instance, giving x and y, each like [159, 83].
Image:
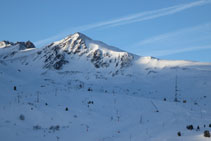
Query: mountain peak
[5, 43]
[25, 45]
[80, 46]
[21, 45]
[79, 35]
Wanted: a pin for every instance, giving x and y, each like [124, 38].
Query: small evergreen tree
[179, 133]
[206, 133]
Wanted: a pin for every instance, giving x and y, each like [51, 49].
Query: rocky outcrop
[25, 45]
[10, 49]
[19, 45]
[76, 45]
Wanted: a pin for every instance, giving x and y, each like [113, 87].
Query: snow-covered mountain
[81, 89]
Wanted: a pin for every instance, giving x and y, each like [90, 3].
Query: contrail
[138, 17]
[161, 53]
[203, 28]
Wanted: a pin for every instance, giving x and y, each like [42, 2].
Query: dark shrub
[37, 127]
[54, 128]
[179, 133]
[66, 109]
[198, 128]
[189, 127]
[90, 102]
[206, 133]
[89, 89]
[22, 117]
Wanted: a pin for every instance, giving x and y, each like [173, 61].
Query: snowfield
[78, 89]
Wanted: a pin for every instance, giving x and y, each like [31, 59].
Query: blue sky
[167, 29]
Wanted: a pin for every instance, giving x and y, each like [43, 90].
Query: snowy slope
[84, 90]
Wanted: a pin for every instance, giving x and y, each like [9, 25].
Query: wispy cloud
[160, 12]
[184, 40]
[161, 53]
[138, 17]
[204, 29]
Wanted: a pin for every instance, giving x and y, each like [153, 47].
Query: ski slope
[85, 90]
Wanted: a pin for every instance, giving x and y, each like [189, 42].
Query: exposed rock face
[21, 45]
[97, 59]
[5, 44]
[74, 47]
[25, 45]
[9, 49]
[98, 53]
[29, 44]
[53, 58]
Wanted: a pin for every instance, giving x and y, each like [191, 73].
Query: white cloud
[161, 12]
[147, 15]
[184, 40]
[202, 29]
[160, 53]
